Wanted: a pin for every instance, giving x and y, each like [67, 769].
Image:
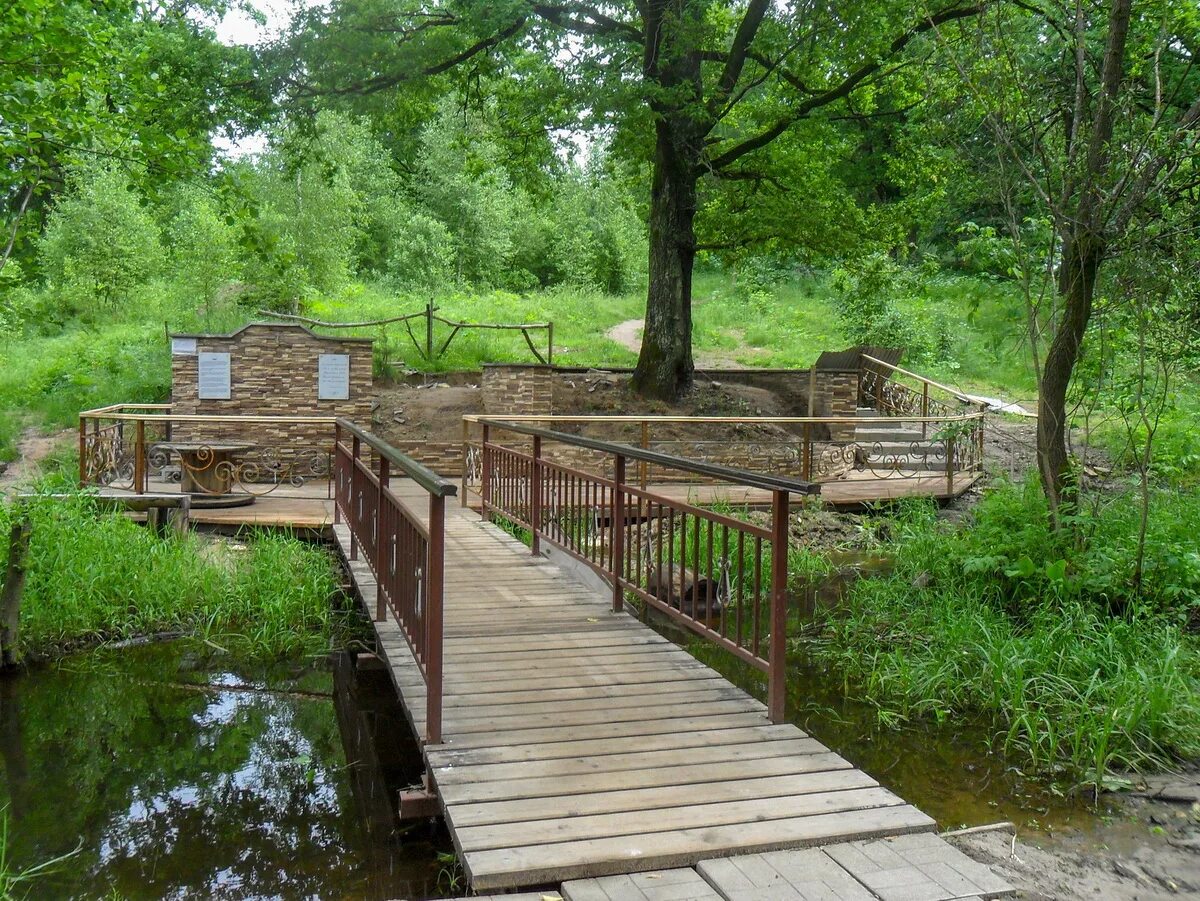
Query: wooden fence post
[777, 654]
[617, 523]
[335, 474]
[434, 588]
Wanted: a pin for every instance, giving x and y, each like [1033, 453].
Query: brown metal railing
[718, 575]
[880, 387]
[134, 447]
[406, 555]
[945, 448]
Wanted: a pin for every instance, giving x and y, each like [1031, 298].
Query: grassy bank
[1077, 671]
[97, 576]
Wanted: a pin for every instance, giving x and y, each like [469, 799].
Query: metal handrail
[498, 418]
[655, 458]
[418, 472]
[958, 395]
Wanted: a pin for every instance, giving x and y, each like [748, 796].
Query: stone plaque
[183, 347]
[213, 376]
[333, 377]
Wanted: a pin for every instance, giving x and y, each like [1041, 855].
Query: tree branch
[736, 60]
[839, 91]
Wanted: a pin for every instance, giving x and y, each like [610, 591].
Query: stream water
[172, 771]
[169, 771]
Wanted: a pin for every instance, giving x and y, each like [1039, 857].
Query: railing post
[806, 453]
[950, 465]
[139, 459]
[924, 409]
[777, 654]
[485, 487]
[384, 476]
[434, 587]
[466, 459]
[535, 497]
[643, 466]
[355, 450]
[82, 452]
[617, 523]
[334, 472]
[979, 426]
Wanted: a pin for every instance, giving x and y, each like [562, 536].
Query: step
[880, 433]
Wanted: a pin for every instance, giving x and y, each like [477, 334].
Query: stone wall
[272, 372]
[517, 390]
[835, 393]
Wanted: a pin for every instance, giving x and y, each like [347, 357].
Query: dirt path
[32, 449]
[629, 335]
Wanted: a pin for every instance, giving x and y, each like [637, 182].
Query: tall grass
[1001, 619]
[97, 576]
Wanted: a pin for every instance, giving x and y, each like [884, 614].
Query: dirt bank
[32, 449]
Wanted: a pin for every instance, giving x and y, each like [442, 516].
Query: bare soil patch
[32, 449]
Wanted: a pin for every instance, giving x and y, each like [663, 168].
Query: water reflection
[178, 775]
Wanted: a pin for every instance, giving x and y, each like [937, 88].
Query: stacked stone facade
[517, 390]
[273, 372]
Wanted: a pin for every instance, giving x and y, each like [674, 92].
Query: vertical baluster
[617, 524]
[741, 581]
[435, 580]
[757, 614]
[485, 487]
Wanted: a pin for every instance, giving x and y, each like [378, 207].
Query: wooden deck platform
[310, 507]
[578, 743]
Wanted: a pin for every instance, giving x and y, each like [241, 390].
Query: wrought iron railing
[140, 447]
[894, 391]
[406, 554]
[720, 575]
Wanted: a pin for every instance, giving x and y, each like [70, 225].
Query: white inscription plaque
[213, 381]
[333, 377]
[183, 347]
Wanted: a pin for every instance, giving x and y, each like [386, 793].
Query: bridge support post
[950, 465]
[617, 523]
[777, 652]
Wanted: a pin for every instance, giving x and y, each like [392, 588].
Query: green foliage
[1052, 644]
[100, 243]
[101, 577]
[868, 292]
[204, 247]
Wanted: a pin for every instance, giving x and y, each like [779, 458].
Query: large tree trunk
[1082, 256]
[664, 368]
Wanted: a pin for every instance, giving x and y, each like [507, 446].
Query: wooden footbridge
[567, 743]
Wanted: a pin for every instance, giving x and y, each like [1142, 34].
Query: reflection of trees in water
[176, 792]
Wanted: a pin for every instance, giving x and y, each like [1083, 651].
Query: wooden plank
[639, 760]
[512, 867]
[595, 747]
[696, 816]
[607, 730]
[568, 720]
[617, 707]
[682, 884]
[654, 799]
[622, 780]
[783, 876]
[917, 868]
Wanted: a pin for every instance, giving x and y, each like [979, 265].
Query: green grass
[48, 379]
[1075, 670]
[97, 577]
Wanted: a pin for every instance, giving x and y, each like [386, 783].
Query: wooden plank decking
[579, 743]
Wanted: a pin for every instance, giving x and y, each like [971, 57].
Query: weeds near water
[1001, 619]
[450, 876]
[16, 884]
[97, 576]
